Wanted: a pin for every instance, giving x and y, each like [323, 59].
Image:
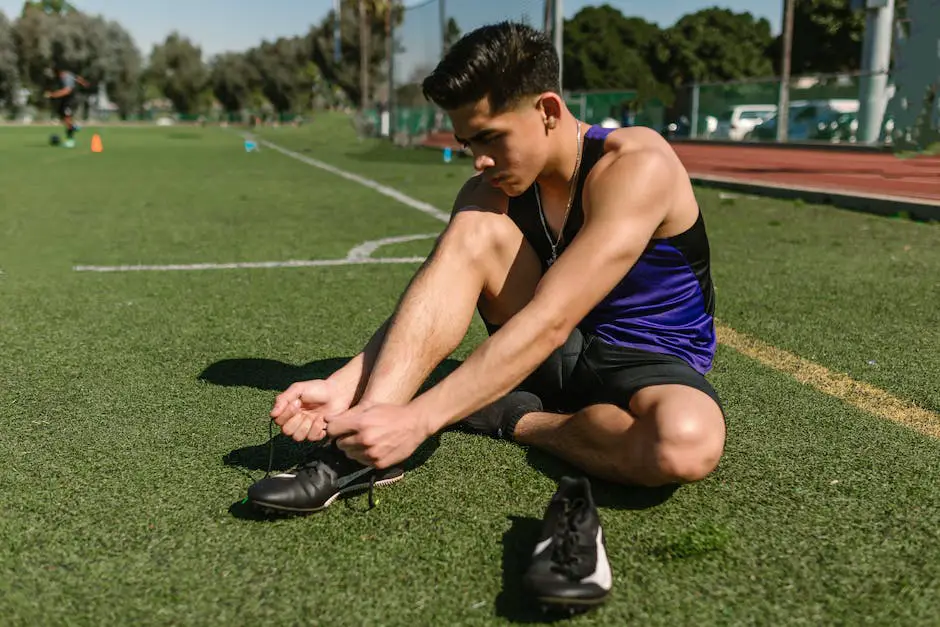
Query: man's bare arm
[435, 311]
[625, 205]
[353, 377]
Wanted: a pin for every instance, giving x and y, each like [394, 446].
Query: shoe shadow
[513, 603]
[606, 493]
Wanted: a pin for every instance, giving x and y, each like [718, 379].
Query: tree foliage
[603, 49]
[9, 73]
[714, 45]
[827, 37]
[176, 68]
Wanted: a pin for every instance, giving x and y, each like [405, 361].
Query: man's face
[510, 148]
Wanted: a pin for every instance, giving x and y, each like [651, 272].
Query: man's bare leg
[672, 434]
[480, 253]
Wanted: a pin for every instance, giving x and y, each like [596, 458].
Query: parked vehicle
[738, 121]
[815, 120]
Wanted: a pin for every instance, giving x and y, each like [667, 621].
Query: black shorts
[589, 371]
[65, 106]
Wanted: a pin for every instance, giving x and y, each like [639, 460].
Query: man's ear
[550, 106]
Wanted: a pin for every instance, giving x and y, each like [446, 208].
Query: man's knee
[475, 235]
[689, 445]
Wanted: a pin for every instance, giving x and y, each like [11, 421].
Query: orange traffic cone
[96, 143]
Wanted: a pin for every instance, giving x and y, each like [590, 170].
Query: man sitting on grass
[584, 251]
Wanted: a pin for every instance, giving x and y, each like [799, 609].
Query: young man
[65, 96]
[585, 253]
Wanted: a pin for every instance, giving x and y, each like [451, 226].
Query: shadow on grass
[606, 494]
[280, 452]
[277, 376]
[519, 541]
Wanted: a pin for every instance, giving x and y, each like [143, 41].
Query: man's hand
[377, 435]
[301, 410]
[47, 94]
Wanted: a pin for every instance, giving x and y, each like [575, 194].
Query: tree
[452, 33]
[32, 37]
[714, 45]
[49, 7]
[827, 37]
[122, 69]
[101, 51]
[176, 67]
[603, 49]
[68, 39]
[286, 73]
[233, 78]
[345, 74]
[9, 74]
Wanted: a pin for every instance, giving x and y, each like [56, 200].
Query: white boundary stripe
[292, 263]
[358, 255]
[364, 251]
[382, 189]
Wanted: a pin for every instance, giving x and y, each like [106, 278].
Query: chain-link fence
[822, 108]
[425, 30]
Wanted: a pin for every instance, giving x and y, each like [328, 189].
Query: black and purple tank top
[664, 304]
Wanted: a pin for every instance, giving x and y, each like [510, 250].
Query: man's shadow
[280, 452]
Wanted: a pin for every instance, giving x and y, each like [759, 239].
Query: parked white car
[740, 120]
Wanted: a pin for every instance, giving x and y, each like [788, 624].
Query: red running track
[814, 168]
[833, 170]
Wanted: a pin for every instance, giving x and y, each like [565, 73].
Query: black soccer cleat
[317, 482]
[569, 569]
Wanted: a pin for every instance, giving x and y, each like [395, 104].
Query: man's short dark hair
[504, 61]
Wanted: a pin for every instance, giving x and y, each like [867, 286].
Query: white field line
[382, 189]
[358, 255]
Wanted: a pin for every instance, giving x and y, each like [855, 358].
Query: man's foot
[499, 418]
[316, 483]
[569, 569]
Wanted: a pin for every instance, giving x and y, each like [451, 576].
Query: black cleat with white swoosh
[317, 482]
[569, 569]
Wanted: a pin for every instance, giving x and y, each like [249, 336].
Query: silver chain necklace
[574, 187]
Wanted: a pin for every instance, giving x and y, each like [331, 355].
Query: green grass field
[133, 407]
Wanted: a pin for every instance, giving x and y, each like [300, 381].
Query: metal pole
[363, 55]
[783, 104]
[876, 58]
[390, 53]
[442, 8]
[559, 41]
[337, 35]
[693, 131]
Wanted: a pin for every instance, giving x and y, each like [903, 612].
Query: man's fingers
[341, 425]
[291, 425]
[353, 449]
[290, 396]
[285, 412]
[300, 433]
[317, 433]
